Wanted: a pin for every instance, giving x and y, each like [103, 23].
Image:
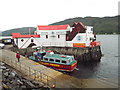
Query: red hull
[68, 68]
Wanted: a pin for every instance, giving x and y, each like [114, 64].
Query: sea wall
[80, 54]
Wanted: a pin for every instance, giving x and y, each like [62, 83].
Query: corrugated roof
[82, 25]
[76, 23]
[18, 35]
[52, 27]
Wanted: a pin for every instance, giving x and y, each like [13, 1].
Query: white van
[2, 45]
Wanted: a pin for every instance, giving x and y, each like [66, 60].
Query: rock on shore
[9, 78]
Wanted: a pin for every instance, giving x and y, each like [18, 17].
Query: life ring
[63, 56]
[49, 51]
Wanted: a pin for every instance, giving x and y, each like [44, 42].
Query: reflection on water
[107, 67]
[105, 72]
[86, 70]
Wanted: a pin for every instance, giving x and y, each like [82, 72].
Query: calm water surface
[104, 72]
[107, 67]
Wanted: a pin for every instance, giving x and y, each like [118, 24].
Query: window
[46, 59]
[63, 61]
[32, 40]
[46, 36]
[57, 60]
[22, 40]
[52, 32]
[51, 59]
[91, 29]
[58, 36]
[79, 38]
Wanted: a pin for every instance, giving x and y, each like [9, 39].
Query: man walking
[18, 56]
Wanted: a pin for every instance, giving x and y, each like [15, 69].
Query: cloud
[23, 13]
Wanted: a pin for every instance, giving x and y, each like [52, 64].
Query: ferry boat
[57, 61]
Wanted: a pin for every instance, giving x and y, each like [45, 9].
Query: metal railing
[31, 73]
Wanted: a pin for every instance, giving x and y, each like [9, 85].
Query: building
[76, 35]
[24, 41]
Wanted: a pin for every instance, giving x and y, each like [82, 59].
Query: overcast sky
[30, 13]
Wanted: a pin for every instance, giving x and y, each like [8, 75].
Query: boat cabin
[58, 59]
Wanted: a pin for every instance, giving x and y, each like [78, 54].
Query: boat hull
[60, 67]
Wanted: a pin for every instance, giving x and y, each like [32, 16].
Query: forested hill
[24, 30]
[104, 25]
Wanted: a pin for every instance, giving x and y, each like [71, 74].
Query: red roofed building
[18, 35]
[23, 41]
[77, 28]
[53, 27]
[57, 35]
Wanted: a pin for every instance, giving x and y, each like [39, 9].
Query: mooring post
[20, 66]
[16, 64]
[29, 71]
[35, 74]
[40, 76]
[47, 80]
[11, 62]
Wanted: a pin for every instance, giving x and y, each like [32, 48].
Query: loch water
[107, 67]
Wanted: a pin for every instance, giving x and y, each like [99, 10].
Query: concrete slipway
[54, 77]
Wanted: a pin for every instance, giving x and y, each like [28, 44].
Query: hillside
[24, 30]
[104, 25]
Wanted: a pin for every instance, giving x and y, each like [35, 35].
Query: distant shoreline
[107, 34]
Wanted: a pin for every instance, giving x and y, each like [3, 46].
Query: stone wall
[80, 54]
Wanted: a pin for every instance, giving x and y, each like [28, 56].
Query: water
[107, 67]
[105, 72]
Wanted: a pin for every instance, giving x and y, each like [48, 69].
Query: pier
[38, 72]
[47, 76]
[80, 54]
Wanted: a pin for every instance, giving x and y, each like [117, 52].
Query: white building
[57, 35]
[24, 41]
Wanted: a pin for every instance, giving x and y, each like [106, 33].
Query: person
[18, 56]
[35, 54]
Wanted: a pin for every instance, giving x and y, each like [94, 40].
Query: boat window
[46, 59]
[63, 61]
[51, 59]
[69, 61]
[57, 60]
[73, 58]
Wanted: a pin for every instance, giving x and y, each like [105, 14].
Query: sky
[30, 13]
